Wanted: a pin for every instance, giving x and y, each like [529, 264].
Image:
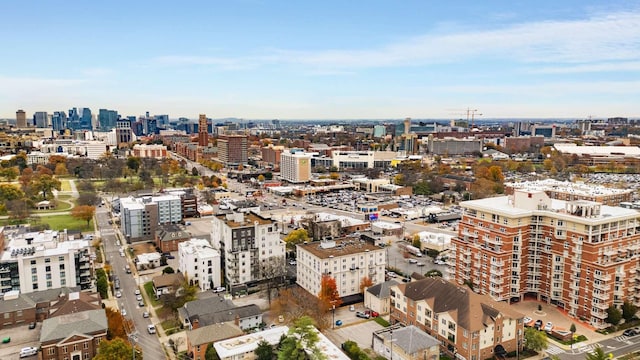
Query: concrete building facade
[295, 166]
[200, 263]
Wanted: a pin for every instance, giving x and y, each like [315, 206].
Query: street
[149, 343]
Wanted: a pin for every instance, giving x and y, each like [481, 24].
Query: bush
[353, 351]
[381, 321]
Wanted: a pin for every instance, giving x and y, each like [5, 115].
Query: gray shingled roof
[241, 312]
[470, 310]
[381, 290]
[213, 333]
[411, 339]
[21, 303]
[215, 310]
[61, 327]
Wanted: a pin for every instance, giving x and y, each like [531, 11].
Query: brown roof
[168, 280]
[471, 311]
[213, 333]
[346, 246]
[249, 220]
[76, 302]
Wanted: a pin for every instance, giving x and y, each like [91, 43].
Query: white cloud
[600, 38]
[632, 66]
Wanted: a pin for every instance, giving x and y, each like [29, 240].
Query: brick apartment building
[579, 255]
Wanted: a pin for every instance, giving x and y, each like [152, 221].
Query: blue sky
[372, 59]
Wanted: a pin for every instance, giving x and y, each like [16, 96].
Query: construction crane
[471, 114]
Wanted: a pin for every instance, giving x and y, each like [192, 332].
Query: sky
[255, 59]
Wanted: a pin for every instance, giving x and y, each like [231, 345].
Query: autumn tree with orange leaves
[84, 212]
[365, 283]
[329, 294]
[119, 326]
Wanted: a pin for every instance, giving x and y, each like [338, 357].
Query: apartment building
[200, 263]
[246, 243]
[35, 261]
[271, 155]
[579, 255]
[467, 325]
[347, 260]
[141, 216]
[232, 149]
[571, 191]
[295, 166]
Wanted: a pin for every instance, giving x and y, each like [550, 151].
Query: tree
[115, 349]
[168, 270]
[535, 340]
[88, 198]
[103, 287]
[46, 183]
[416, 241]
[628, 311]
[18, 209]
[84, 212]
[298, 236]
[118, 325]
[365, 283]
[260, 178]
[61, 170]
[211, 353]
[614, 315]
[302, 338]
[9, 173]
[264, 351]
[329, 294]
[9, 192]
[598, 354]
[133, 163]
[273, 269]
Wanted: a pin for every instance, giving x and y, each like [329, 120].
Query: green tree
[302, 338]
[598, 354]
[296, 237]
[416, 241]
[614, 315]
[103, 287]
[535, 340]
[628, 311]
[45, 183]
[9, 192]
[211, 353]
[264, 351]
[133, 163]
[115, 349]
[168, 270]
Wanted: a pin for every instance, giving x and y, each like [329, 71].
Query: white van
[28, 351]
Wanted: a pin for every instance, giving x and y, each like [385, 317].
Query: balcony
[497, 263]
[603, 296]
[496, 271]
[602, 277]
[601, 305]
[497, 280]
[603, 287]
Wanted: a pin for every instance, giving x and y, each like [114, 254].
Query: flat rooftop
[339, 247]
[567, 187]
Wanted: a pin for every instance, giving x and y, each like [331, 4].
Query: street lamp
[334, 315]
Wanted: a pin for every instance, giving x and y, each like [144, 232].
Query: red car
[372, 313]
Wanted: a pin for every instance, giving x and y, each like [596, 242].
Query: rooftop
[236, 220]
[86, 322]
[578, 188]
[43, 243]
[201, 247]
[212, 333]
[340, 247]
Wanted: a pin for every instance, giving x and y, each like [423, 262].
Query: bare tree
[273, 270]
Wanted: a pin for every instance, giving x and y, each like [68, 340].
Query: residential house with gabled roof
[169, 236]
[468, 325]
[377, 297]
[73, 336]
[199, 338]
[217, 309]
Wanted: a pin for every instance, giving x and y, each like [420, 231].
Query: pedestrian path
[554, 350]
[624, 339]
[585, 349]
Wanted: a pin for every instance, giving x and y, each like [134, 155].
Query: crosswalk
[554, 350]
[624, 339]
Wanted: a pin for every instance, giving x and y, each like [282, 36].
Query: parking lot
[21, 336]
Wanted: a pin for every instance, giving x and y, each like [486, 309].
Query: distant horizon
[276, 59]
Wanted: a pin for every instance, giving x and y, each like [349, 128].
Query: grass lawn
[64, 185]
[148, 288]
[62, 206]
[61, 222]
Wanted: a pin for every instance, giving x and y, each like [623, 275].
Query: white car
[526, 320]
[548, 326]
[151, 329]
[123, 312]
[137, 292]
[219, 289]
[413, 261]
[28, 351]
[118, 294]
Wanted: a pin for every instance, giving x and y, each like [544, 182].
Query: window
[33, 262]
[47, 260]
[47, 268]
[61, 266]
[34, 270]
[61, 258]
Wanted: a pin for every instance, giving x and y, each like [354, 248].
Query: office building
[124, 134]
[21, 119]
[59, 122]
[232, 149]
[141, 216]
[41, 119]
[35, 261]
[107, 119]
[580, 255]
[203, 135]
[295, 166]
[467, 325]
[247, 243]
[271, 155]
[347, 260]
[200, 263]
[149, 151]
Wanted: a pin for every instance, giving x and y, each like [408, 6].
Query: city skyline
[358, 60]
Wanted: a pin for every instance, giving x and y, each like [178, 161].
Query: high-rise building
[21, 119]
[41, 119]
[232, 149]
[271, 155]
[250, 246]
[107, 119]
[579, 255]
[59, 121]
[203, 135]
[163, 120]
[295, 166]
[86, 119]
[124, 134]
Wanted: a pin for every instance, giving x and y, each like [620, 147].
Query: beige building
[295, 166]
[405, 343]
[347, 260]
[377, 297]
[469, 325]
[579, 255]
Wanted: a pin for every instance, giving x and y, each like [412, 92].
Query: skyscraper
[41, 119]
[203, 135]
[107, 119]
[59, 121]
[21, 119]
[232, 149]
[85, 119]
[123, 132]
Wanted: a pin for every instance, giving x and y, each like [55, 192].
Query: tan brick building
[465, 323]
[579, 255]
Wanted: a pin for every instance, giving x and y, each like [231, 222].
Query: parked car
[538, 324]
[145, 314]
[219, 289]
[118, 294]
[420, 264]
[352, 308]
[548, 326]
[124, 312]
[526, 320]
[139, 297]
[372, 313]
[137, 292]
[630, 332]
[32, 326]
[151, 329]
[28, 351]
[413, 261]
[141, 303]
[292, 262]
[362, 314]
